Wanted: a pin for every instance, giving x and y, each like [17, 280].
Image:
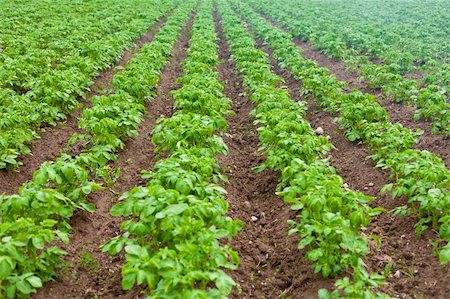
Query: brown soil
[53, 140]
[417, 75]
[416, 273]
[271, 265]
[90, 230]
[398, 113]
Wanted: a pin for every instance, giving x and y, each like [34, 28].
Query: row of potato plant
[175, 222]
[32, 220]
[43, 81]
[419, 175]
[331, 217]
[431, 101]
[53, 37]
[410, 41]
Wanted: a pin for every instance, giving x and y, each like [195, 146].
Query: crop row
[66, 36]
[171, 240]
[36, 217]
[430, 101]
[406, 42]
[42, 75]
[331, 217]
[414, 43]
[418, 175]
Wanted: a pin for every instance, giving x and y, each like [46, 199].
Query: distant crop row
[407, 36]
[51, 53]
[340, 36]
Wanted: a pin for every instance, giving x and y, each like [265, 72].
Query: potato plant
[419, 175]
[355, 41]
[331, 217]
[46, 67]
[39, 214]
[175, 222]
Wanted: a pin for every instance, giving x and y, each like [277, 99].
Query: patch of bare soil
[93, 274]
[416, 272]
[54, 139]
[271, 265]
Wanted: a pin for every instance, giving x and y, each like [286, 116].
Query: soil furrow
[416, 273]
[93, 274]
[54, 139]
[271, 265]
[402, 113]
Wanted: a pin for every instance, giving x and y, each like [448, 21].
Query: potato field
[180, 149]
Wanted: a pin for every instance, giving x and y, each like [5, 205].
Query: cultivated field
[224, 149]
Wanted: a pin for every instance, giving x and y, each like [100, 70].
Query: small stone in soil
[254, 218]
[319, 131]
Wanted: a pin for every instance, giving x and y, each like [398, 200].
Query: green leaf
[68, 173]
[128, 280]
[305, 242]
[11, 291]
[63, 236]
[24, 287]
[38, 242]
[133, 249]
[444, 254]
[86, 189]
[89, 207]
[386, 188]
[315, 254]
[326, 271]
[224, 282]
[7, 265]
[35, 281]
[172, 210]
[141, 276]
[182, 187]
[419, 132]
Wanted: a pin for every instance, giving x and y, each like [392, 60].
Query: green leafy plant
[175, 222]
[49, 65]
[39, 214]
[331, 217]
[419, 175]
[384, 53]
